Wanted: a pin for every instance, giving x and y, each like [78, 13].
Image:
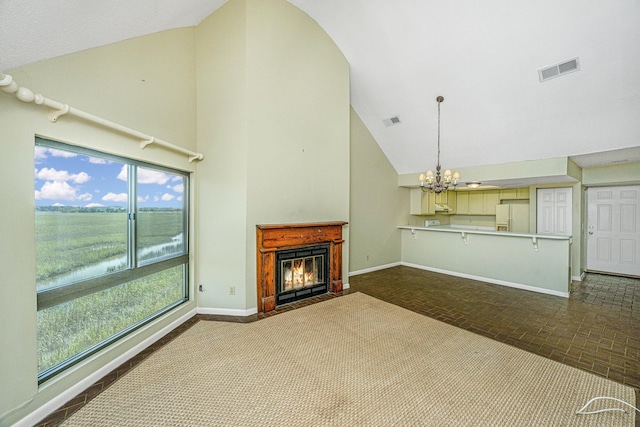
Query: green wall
[377, 204]
[628, 174]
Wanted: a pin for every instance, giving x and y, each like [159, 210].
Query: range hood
[440, 207]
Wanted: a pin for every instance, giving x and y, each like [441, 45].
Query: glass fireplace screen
[301, 272]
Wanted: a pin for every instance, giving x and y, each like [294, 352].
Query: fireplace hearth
[296, 261]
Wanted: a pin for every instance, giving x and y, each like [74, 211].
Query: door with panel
[613, 239]
[554, 211]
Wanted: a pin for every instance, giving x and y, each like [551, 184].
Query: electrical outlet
[200, 288]
[232, 290]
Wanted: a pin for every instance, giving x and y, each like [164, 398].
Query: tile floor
[597, 329]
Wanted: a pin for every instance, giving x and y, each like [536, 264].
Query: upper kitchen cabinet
[490, 200]
[462, 203]
[477, 202]
[445, 202]
[514, 194]
[428, 203]
[422, 203]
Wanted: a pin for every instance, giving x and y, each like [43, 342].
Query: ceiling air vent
[392, 121]
[558, 70]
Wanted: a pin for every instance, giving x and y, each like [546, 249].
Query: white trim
[345, 286]
[228, 311]
[369, 270]
[488, 280]
[62, 398]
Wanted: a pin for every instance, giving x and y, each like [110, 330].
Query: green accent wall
[377, 204]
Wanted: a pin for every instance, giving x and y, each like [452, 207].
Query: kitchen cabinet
[489, 201]
[422, 203]
[476, 202]
[462, 203]
[447, 198]
[515, 194]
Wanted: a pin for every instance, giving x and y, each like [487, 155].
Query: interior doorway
[613, 230]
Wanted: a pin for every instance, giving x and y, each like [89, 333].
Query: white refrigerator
[514, 218]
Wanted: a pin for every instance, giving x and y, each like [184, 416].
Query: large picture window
[111, 249]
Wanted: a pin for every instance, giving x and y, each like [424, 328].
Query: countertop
[481, 230]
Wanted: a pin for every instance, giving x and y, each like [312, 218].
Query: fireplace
[301, 273]
[296, 261]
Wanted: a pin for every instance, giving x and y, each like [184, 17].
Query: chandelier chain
[438, 183]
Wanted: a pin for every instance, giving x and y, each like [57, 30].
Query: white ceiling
[482, 57]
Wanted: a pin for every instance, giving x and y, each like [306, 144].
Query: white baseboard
[345, 286]
[369, 270]
[489, 280]
[228, 311]
[89, 380]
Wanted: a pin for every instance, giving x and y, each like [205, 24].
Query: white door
[554, 211]
[613, 239]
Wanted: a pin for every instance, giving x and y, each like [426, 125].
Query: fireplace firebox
[296, 261]
[301, 273]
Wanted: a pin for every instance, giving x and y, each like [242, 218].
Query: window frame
[56, 295]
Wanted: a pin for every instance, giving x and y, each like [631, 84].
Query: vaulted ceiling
[483, 57]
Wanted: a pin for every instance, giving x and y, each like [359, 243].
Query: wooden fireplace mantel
[275, 237]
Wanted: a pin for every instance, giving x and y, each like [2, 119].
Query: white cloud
[178, 188]
[85, 197]
[122, 176]
[57, 204]
[56, 190]
[143, 199]
[52, 174]
[41, 152]
[97, 161]
[179, 198]
[113, 197]
[148, 176]
[94, 205]
[60, 153]
[166, 197]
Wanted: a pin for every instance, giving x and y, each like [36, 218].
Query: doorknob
[591, 232]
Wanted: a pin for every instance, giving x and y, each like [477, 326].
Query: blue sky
[64, 178]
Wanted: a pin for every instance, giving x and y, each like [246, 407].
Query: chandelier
[437, 183]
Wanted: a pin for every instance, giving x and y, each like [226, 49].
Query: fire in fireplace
[301, 273]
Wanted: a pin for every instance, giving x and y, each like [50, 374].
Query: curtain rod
[8, 85]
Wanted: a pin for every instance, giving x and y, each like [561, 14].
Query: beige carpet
[349, 361]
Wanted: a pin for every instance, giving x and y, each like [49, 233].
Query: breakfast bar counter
[535, 262]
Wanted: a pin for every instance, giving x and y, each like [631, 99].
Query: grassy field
[75, 326]
[67, 241]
